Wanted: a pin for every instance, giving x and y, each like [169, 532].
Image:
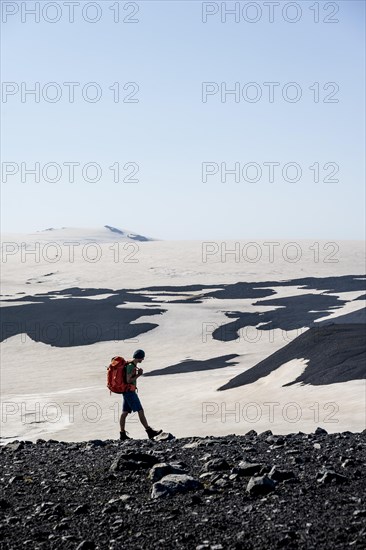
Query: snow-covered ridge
[104, 234]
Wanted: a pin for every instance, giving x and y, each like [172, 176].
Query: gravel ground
[258, 491]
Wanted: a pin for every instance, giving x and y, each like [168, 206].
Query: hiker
[131, 401]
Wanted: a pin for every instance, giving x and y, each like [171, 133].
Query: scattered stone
[249, 449]
[44, 506]
[47, 507]
[360, 513]
[210, 442]
[51, 442]
[275, 441]
[264, 470]
[205, 457]
[216, 465]
[264, 435]
[260, 485]
[15, 446]
[82, 509]
[251, 433]
[164, 437]
[17, 477]
[162, 469]
[122, 498]
[174, 483]
[329, 476]
[222, 482]
[297, 460]
[86, 545]
[241, 537]
[63, 525]
[11, 520]
[109, 509]
[193, 445]
[280, 475]
[348, 462]
[210, 476]
[320, 431]
[248, 468]
[69, 538]
[95, 443]
[133, 461]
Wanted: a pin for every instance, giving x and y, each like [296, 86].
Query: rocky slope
[250, 492]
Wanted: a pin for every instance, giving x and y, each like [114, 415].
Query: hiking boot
[152, 433]
[123, 436]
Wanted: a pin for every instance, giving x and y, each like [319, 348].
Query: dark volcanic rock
[95, 443]
[15, 446]
[216, 465]
[82, 509]
[265, 435]
[164, 437]
[248, 468]
[64, 495]
[86, 545]
[280, 475]
[320, 431]
[329, 476]
[133, 461]
[260, 485]
[160, 470]
[174, 483]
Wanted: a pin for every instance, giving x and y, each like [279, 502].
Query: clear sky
[163, 138]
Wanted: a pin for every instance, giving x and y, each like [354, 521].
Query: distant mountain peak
[50, 229]
[104, 233]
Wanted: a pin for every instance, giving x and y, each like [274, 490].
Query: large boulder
[245, 468]
[216, 465]
[174, 483]
[280, 475]
[260, 485]
[133, 461]
[162, 469]
[14, 446]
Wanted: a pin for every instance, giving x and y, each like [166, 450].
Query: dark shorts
[131, 402]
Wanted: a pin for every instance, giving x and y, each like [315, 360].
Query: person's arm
[136, 372]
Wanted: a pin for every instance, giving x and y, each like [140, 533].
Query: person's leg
[136, 406]
[142, 418]
[126, 409]
[150, 432]
[122, 421]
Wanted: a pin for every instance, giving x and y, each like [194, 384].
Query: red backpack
[116, 376]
